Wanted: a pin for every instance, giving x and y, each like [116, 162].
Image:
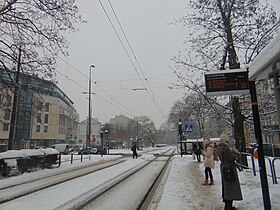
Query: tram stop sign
[227, 82]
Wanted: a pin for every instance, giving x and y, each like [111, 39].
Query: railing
[271, 165]
[82, 157]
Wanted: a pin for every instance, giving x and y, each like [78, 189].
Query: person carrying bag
[231, 189]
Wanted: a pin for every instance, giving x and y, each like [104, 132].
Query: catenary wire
[149, 87]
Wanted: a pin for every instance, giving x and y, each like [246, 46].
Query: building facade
[267, 112]
[95, 132]
[45, 115]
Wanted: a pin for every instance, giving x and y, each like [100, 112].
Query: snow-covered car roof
[24, 153]
[49, 151]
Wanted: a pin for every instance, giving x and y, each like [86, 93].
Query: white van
[61, 148]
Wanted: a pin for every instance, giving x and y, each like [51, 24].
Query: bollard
[72, 158]
[81, 156]
[59, 160]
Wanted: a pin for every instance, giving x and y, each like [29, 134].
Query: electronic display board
[227, 82]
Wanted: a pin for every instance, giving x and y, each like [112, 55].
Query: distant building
[45, 114]
[95, 131]
[120, 121]
[122, 128]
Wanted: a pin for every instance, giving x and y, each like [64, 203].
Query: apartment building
[45, 114]
[95, 131]
[267, 112]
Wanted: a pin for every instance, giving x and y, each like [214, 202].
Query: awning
[261, 67]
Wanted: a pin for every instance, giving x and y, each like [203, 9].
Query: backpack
[215, 155]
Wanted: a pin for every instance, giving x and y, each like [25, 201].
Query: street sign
[189, 128]
[227, 82]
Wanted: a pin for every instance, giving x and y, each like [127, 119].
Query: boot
[211, 182]
[205, 182]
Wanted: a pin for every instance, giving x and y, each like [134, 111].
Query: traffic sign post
[180, 131]
[189, 128]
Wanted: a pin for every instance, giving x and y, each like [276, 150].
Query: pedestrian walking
[231, 189]
[197, 150]
[208, 161]
[134, 151]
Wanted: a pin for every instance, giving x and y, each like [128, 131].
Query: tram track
[114, 190]
[81, 201]
[14, 191]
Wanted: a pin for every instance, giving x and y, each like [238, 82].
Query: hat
[206, 142]
[223, 138]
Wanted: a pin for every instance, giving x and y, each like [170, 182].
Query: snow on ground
[183, 188]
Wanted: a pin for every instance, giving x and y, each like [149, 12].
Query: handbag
[228, 174]
[215, 155]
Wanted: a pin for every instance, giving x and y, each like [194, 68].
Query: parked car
[98, 150]
[251, 147]
[76, 148]
[62, 148]
[268, 149]
[84, 151]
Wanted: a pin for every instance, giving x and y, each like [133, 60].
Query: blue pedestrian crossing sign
[189, 128]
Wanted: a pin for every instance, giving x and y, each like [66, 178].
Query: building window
[7, 114]
[47, 106]
[8, 100]
[38, 128]
[45, 129]
[5, 127]
[40, 105]
[46, 120]
[38, 117]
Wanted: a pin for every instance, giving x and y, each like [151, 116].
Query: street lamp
[101, 135]
[89, 107]
[108, 141]
[180, 131]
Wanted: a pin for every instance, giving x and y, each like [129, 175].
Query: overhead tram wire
[130, 114]
[85, 88]
[127, 54]
[135, 68]
[112, 97]
[149, 87]
[132, 51]
[103, 99]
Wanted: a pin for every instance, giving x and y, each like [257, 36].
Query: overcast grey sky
[153, 41]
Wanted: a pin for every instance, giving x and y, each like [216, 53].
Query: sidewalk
[183, 187]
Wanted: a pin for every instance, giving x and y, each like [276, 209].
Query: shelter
[267, 62]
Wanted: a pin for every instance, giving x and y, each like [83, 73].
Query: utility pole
[258, 135]
[15, 106]
[89, 108]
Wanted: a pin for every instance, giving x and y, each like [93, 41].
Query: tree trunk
[238, 126]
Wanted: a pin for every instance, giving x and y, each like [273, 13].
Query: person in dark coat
[133, 149]
[197, 150]
[231, 190]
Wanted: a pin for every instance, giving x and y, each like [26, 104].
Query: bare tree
[222, 32]
[38, 29]
[200, 113]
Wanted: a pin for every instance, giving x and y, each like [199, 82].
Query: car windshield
[76, 148]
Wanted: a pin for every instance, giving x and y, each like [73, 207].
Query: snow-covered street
[180, 189]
